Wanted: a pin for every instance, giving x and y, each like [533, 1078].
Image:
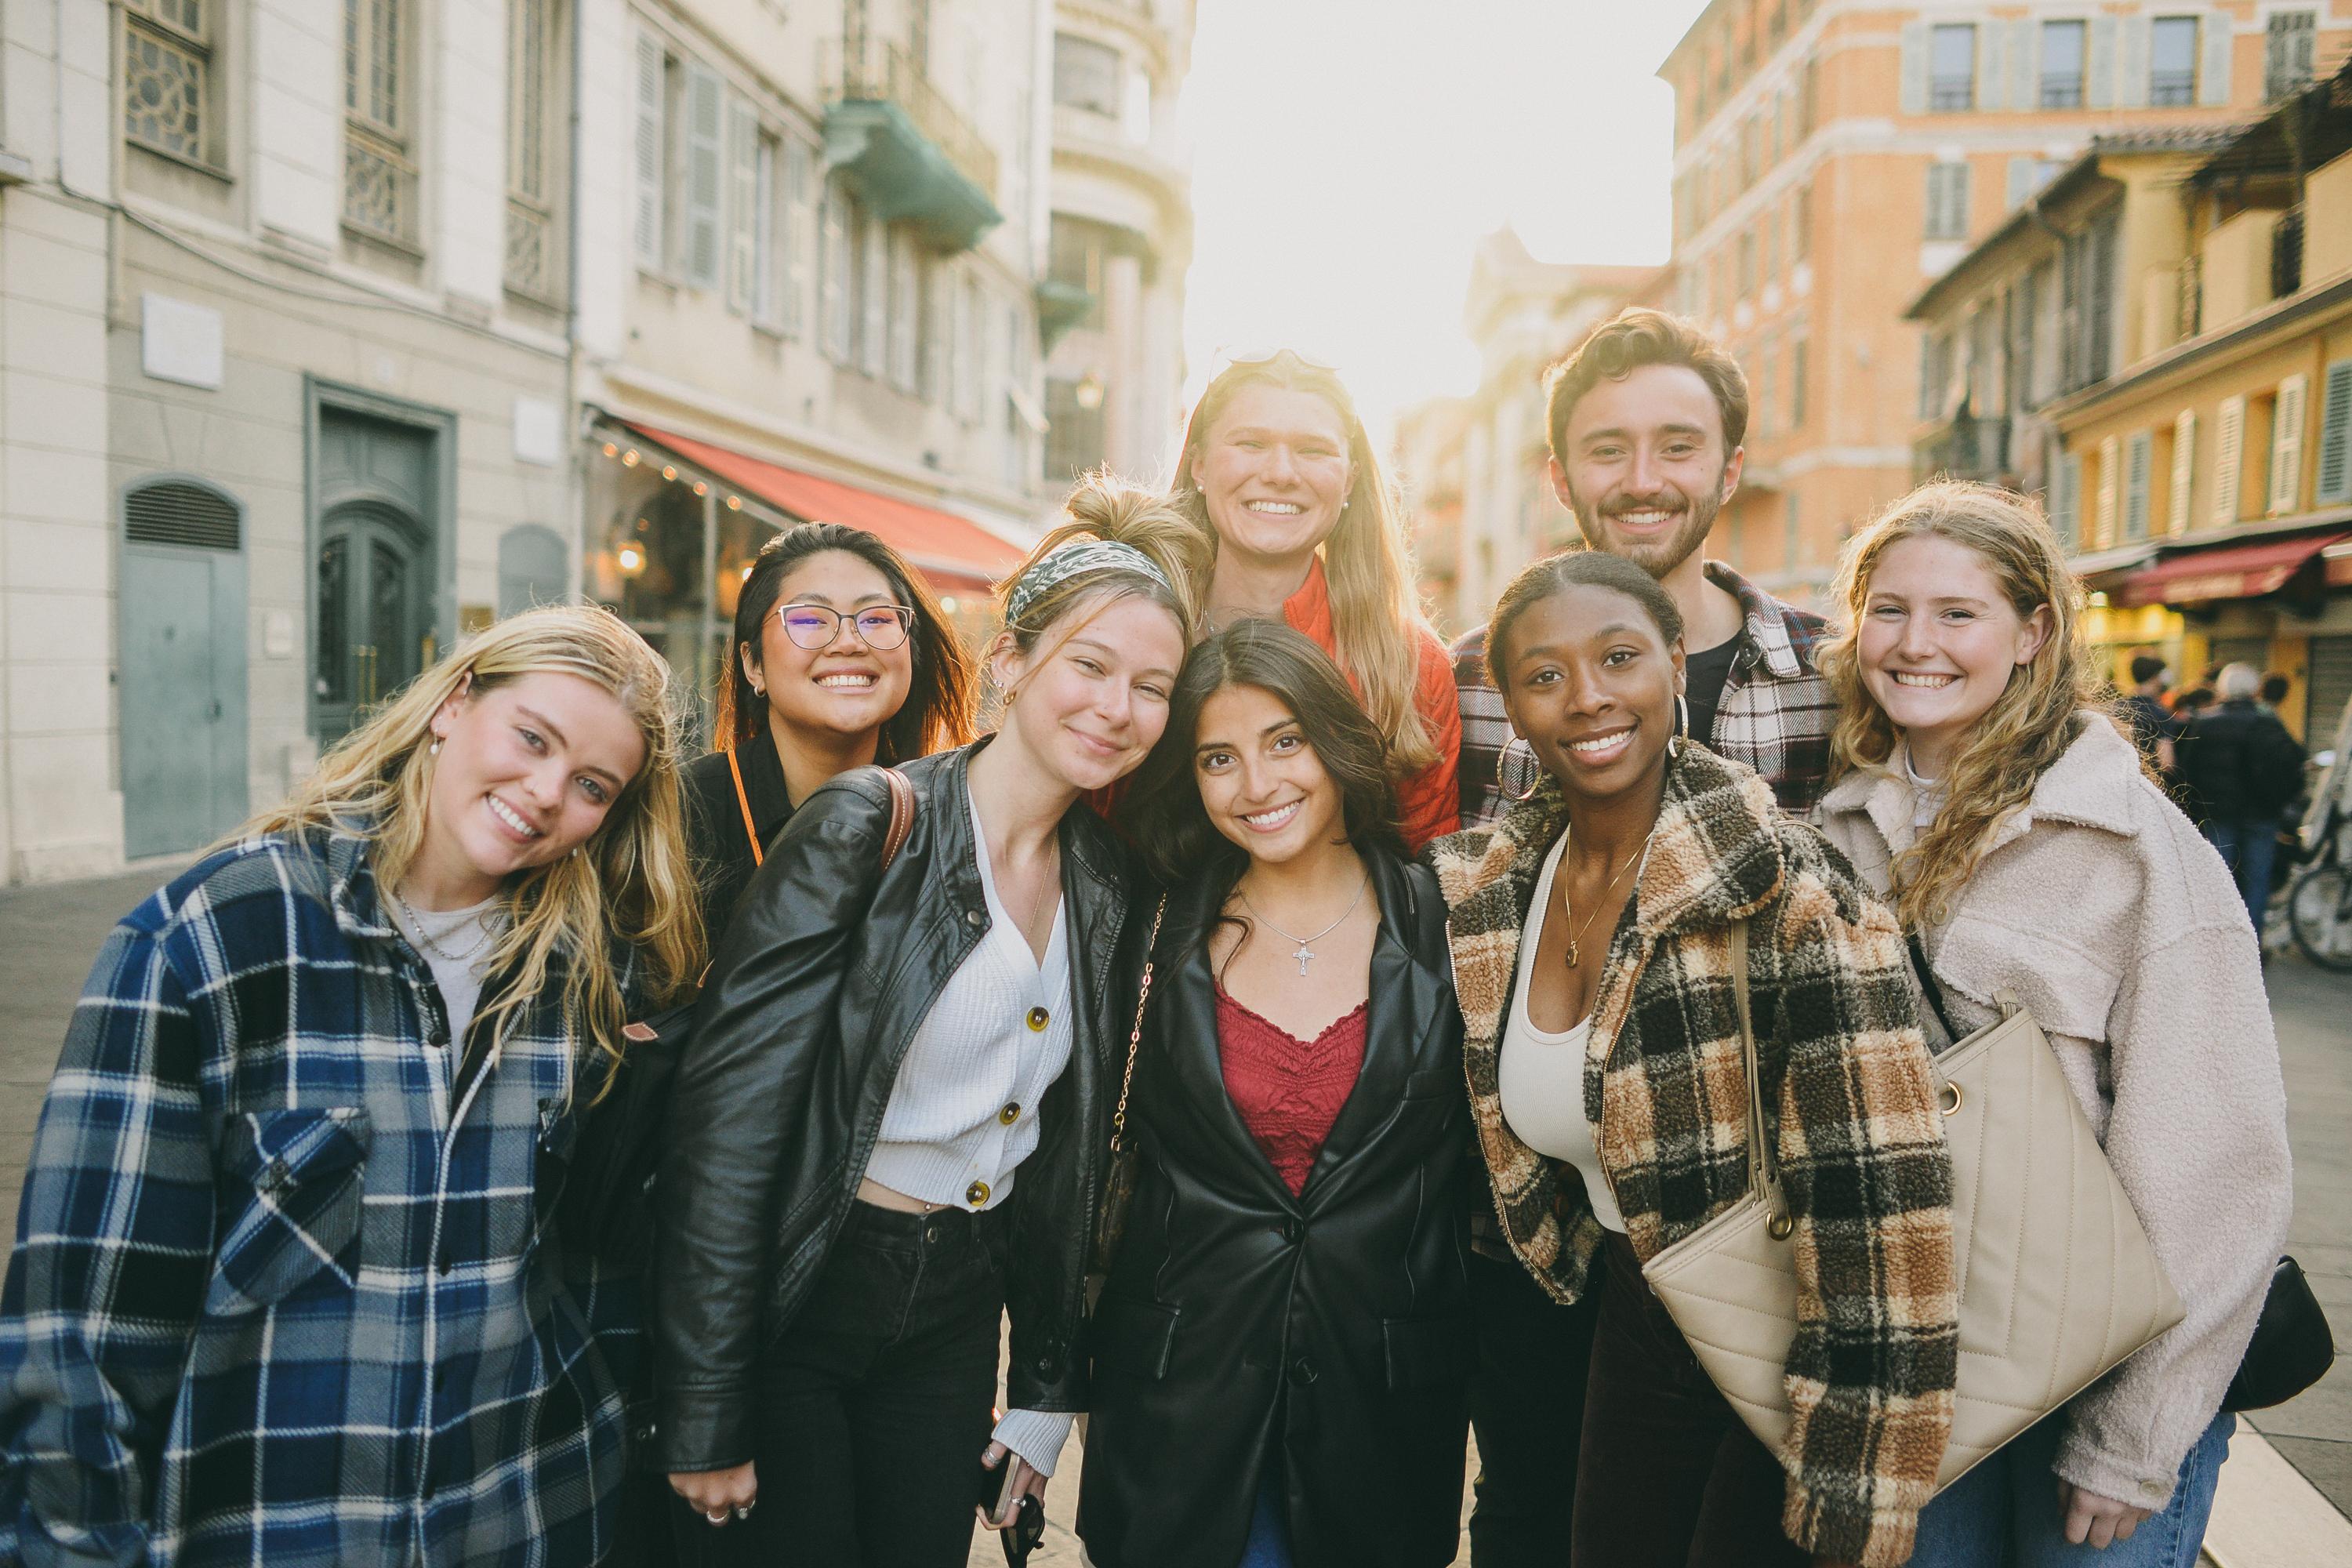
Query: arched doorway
[373, 589]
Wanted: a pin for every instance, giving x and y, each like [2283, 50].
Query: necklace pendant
[1571, 952]
[1303, 954]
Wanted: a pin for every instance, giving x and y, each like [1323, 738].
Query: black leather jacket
[824, 977]
[1327, 1335]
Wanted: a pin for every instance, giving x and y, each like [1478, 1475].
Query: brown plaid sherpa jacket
[1871, 1373]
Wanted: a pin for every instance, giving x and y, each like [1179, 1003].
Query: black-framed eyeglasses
[814, 626]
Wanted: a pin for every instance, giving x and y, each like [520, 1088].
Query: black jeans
[1526, 1403]
[873, 1405]
[1671, 1477]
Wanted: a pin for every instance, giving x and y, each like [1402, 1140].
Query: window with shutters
[2139, 477]
[2228, 459]
[706, 159]
[1087, 75]
[2172, 62]
[2066, 499]
[767, 258]
[651, 149]
[168, 79]
[873, 275]
[379, 177]
[800, 237]
[1952, 68]
[2102, 519]
[906, 312]
[839, 297]
[1947, 201]
[2290, 48]
[533, 237]
[1800, 358]
[2286, 446]
[2333, 480]
[2181, 501]
[742, 225]
[2063, 48]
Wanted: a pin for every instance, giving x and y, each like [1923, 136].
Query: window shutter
[2020, 185]
[743, 203]
[2024, 74]
[833, 290]
[2131, 63]
[905, 313]
[649, 152]
[2184, 472]
[2213, 70]
[705, 106]
[2335, 437]
[1993, 65]
[1914, 68]
[800, 236]
[874, 298]
[2286, 446]
[2099, 83]
[2103, 527]
[2066, 499]
[2228, 459]
[2138, 474]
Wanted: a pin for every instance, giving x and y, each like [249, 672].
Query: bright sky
[1349, 154]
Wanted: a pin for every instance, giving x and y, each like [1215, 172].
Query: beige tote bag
[2058, 1283]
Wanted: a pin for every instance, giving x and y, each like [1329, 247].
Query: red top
[1429, 802]
[1288, 1090]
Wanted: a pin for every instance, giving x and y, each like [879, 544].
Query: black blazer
[715, 839]
[819, 986]
[1327, 1334]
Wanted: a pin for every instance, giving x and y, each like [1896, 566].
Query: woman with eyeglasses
[1280, 476]
[884, 1137]
[841, 658]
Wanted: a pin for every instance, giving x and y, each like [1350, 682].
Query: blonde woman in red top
[1277, 469]
[1282, 1347]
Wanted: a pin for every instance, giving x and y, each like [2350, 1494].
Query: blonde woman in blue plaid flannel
[283, 1288]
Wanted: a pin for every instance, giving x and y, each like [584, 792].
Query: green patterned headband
[1065, 562]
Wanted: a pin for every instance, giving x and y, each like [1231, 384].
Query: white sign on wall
[538, 432]
[179, 341]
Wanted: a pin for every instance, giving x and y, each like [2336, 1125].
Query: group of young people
[1277, 1041]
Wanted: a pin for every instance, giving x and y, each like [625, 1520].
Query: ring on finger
[743, 1510]
[717, 1517]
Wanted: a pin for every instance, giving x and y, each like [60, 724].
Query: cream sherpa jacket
[2103, 910]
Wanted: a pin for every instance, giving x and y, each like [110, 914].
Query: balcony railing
[1964, 447]
[379, 187]
[2286, 253]
[913, 156]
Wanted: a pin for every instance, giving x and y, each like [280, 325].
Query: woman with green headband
[879, 1142]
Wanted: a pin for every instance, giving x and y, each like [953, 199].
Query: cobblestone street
[49, 936]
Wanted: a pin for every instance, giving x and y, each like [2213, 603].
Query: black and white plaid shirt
[1775, 714]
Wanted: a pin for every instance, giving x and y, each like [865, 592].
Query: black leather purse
[2292, 1348]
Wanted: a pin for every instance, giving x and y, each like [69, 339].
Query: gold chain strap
[1135, 1036]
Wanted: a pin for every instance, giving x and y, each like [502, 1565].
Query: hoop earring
[1534, 783]
[1682, 725]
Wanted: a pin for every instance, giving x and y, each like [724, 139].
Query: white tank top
[1542, 1072]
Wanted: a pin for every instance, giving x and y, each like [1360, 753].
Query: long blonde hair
[628, 883]
[1376, 617]
[2029, 726]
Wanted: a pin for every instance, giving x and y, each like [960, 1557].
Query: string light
[734, 503]
[629, 458]
[631, 559]
[948, 603]
[700, 488]
[610, 450]
[670, 470]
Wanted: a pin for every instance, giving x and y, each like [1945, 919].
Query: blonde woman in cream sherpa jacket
[2017, 835]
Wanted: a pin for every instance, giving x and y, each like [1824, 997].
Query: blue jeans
[2248, 848]
[1268, 1545]
[2004, 1513]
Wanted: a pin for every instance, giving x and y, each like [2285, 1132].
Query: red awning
[2238, 571]
[955, 553]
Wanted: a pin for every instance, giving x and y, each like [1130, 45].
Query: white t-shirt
[1541, 1073]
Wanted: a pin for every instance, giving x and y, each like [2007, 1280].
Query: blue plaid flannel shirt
[282, 1292]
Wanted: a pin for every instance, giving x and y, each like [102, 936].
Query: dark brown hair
[1587, 568]
[937, 712]
[1635, 337]
[1162, 812]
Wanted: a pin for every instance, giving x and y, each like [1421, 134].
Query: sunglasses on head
[1224, 360]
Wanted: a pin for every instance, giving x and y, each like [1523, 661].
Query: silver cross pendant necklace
[1306, 952]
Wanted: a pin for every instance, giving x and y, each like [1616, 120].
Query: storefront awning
[2236, 572]
[954, 553]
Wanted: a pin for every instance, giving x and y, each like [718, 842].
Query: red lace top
[1288, 1090]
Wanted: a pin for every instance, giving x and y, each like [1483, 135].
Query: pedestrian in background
[1282, 1347]
[884, 1137]
[1303, 527]
[1977, 780]
[284, 1289]
[2154, 729]
[841, 658]
[2243, 769]
[1597, 935]
[1646, 420]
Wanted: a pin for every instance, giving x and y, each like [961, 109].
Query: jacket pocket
[292, 1183]
[1137, 1337]
[1422, 1351]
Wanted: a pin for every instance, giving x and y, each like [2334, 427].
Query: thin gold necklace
[1577, 937]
